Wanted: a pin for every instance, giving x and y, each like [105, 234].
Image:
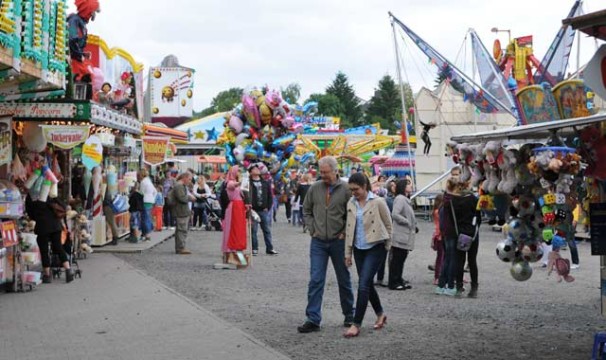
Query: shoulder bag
[463, 241]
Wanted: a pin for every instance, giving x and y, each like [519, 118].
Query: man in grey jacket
[181, 211]
[325, 213]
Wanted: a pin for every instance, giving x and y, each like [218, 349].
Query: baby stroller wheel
[78, 273]
[56, 273]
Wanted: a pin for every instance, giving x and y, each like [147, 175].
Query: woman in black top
[304, 185]
[48, 229]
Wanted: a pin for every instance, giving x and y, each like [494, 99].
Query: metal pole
[435, 181]
[404, 125]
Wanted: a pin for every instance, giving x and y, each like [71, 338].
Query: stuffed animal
[465, 159]
[452, 151]
[561, 266]
[85, 241]
[508, 172]
[563, 183]
[477, 165]
[491, 152]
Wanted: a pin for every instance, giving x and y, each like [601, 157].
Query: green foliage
[385, 106]
[291, 93]
[226, 100]
[340, 87]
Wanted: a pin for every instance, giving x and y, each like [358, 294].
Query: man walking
[261, 201]
[325, 212]
[181, 211]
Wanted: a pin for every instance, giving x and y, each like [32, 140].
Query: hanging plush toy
[491, 153]
[477, 165]
[508, 174]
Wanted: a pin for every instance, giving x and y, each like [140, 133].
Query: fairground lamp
[497, 30]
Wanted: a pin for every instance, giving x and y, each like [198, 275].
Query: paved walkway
[124, 246]
[117, 312]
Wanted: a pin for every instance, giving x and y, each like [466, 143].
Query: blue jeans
[146, 221]
[265, 216]
[367, 264]
[319, 253]
[447, 276]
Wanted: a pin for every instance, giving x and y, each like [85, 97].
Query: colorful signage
[64, 136]
[40, 110]
[154, 150]
[171, 91]
[92, 152]
[9, 233]
[5, 141]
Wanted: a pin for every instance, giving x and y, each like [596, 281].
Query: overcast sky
[246, 43]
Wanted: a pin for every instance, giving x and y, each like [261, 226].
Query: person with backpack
[178, 201]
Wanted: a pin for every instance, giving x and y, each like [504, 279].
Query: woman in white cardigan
[403, 238]
[149, 198]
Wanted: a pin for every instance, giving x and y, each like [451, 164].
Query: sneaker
[575, 266]
[460, 291]
[347, 323]
[172, 228]
[308, 327]
[255, 252]
[438, 290]
[449, 292]
[184, 252]
[272, 252]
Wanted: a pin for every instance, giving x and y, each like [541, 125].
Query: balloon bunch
[262, 128]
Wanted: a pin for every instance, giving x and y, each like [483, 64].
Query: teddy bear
[85, 241]
[563, 183]
[477, 165]
[506, 163]
[452, 151]
[491, 152]
[465, 159]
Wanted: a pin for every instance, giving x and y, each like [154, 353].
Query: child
[436, 238]
[135, 202]
[296, 212]
[158, 209]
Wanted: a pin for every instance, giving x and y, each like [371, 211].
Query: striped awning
[176, 136]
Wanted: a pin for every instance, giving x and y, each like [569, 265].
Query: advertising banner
[92, 152]
[154, 150]
[64, 136]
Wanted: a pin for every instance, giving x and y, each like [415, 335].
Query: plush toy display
[491, 152]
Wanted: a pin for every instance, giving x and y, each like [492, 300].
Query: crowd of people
[348, 219]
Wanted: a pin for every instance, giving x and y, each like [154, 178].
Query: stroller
[71, 247]
[213, 214]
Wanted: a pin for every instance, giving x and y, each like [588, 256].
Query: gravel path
[536, 319]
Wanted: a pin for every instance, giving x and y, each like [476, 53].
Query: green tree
[291, 93]
[328, 105]
[386, 105]
[226, 100]
[341, 88]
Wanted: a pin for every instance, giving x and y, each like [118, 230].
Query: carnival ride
[543, 174]
[512, 81]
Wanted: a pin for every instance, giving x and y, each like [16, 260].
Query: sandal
[353, 331]
[381, 322]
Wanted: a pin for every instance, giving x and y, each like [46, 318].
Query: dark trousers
[447, 277]
[381, 272]
[55, 242]
[288, 207]
[396, 266]
[472, 256]
[199, 217]
[574, 252]
[367, 264]
[167, 217]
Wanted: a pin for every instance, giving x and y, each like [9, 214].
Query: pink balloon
[250, 111]
[98, 79]
[273, 99]
[236, 124]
